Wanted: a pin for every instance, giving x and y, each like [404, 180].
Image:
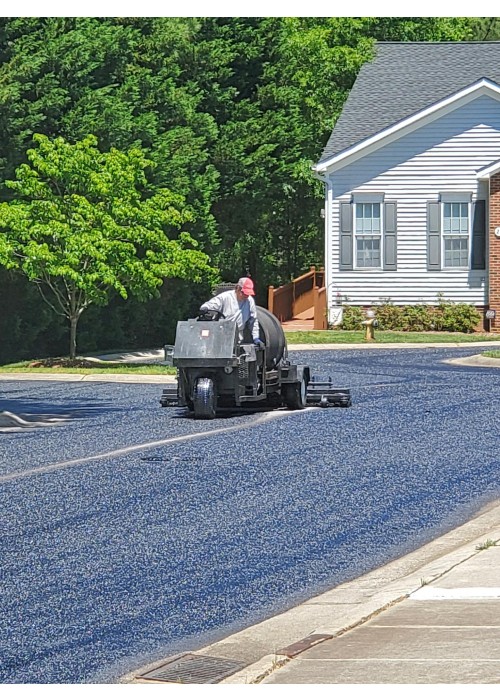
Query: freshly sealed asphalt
[149, 547]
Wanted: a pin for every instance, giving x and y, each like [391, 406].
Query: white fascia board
[416, 121]
[486, 173]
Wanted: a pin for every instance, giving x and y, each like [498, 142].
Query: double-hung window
[456, 234]
[368, 232]
[368, 229]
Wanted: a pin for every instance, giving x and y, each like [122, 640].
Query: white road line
[430, 593]
[262, 418]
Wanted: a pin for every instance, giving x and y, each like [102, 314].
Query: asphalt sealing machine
[216, 371]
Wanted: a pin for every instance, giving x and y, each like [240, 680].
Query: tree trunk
[72, 336]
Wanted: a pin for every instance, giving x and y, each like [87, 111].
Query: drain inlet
[194, 669]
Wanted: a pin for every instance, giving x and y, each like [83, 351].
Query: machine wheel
[205, 398]
[295, 395]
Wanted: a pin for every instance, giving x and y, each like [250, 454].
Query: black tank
[271, 333]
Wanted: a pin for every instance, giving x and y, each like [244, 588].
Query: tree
[126, 80]
[86, 223]
[232, 111]
[276, 87]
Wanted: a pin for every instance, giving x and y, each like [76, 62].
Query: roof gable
[489, 171]
[415, 121]
[404, 80]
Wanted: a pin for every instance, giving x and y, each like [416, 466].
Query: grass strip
[381, 337]
[101, 368]
[491, 353]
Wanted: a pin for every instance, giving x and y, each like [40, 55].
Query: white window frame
[364, 201]
[451, 201]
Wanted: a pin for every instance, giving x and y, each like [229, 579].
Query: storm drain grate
[194, 669]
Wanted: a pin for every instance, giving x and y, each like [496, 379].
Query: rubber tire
[204, 399]
[295, 395]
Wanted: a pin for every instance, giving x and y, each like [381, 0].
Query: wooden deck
[301, 322]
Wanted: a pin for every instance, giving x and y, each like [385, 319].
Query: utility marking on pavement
[430, 593]
[303, 644]
[262, 418]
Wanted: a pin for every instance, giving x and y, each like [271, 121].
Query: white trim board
[406, 126]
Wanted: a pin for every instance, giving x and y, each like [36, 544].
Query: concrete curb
[387, 346]
[126, 378]
[154, 355]
[477, 360]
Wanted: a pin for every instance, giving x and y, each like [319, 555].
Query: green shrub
[389, 317]
[352, 318]
[446, 316]
[417, 317]
[458, 318]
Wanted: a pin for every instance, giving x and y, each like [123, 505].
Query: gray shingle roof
[404, 78]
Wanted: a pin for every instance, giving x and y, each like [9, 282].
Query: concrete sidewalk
[446, 631]
[430, 617]
[435, 623]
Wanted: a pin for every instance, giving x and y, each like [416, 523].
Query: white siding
[443, 156]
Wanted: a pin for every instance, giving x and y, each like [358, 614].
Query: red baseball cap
[246, 285]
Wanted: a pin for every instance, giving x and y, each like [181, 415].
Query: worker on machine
[237, 305]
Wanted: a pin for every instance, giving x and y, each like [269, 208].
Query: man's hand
[259, 344]
[209, 315]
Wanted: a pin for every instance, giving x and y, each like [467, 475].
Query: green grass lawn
[89, 368]
[492, 353]
[342, 337]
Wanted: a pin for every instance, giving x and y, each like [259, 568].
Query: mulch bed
[63, 362]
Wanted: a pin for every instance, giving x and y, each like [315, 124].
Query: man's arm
[253, 323]
[214, 304]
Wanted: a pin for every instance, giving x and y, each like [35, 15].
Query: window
[456, 232]
[368, 232]
[368, 235]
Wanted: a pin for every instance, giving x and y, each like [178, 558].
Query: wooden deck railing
[320, 315]
[304, 292]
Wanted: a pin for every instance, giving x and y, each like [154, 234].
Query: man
[237, 305]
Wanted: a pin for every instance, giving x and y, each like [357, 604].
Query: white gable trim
[417, 120]
[486, 173]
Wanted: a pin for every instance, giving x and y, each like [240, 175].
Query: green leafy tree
[126, 80]
[232, 111]
[276, 86]
[85, 223]
[485, 28]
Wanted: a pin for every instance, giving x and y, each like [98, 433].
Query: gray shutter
[345, 236]
[478, 259]
[390, 233]
[433, 236]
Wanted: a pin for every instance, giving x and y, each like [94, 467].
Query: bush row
[444, 316]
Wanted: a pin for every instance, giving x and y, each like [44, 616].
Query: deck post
[270, 298]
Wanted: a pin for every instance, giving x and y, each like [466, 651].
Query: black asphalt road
[126, 539]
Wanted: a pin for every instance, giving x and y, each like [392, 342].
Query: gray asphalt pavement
[287, 528]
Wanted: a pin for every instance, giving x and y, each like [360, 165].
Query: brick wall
[494, 252]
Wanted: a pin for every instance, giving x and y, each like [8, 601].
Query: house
[412, 179]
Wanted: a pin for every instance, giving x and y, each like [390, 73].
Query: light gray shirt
[243, 312]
